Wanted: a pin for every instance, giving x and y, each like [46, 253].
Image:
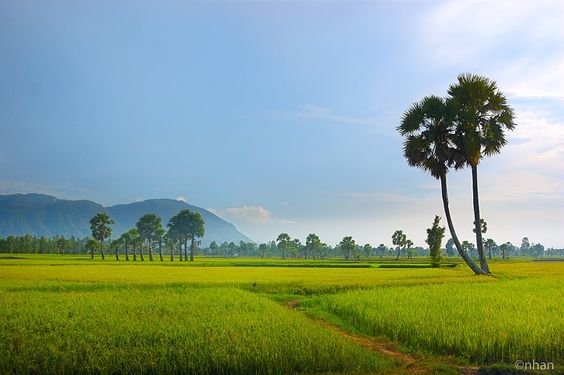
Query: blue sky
[280, 117]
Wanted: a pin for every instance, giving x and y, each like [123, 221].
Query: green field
[61, 314]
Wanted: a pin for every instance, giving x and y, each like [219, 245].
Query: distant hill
[44, 215]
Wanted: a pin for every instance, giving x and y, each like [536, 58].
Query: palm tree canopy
[148, 225]
[100, 226]
[429, 132]
[481, 114]
[186, 225]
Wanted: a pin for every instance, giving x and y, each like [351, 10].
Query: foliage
[101, 230]
[347, 246]
[517, 318]
[435, 236]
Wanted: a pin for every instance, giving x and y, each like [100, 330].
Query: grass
[499, 322]
[71, 314]
[59, 329]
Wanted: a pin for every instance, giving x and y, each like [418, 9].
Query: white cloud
[515, 42]
[245, 214]
[249, 215]
[182, 198]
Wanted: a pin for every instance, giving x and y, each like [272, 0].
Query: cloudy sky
[279, 116]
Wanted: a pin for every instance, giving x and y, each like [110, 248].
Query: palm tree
[347, 245]
[100, 227]
[135, 241]
[482, 116]
[400, 240]
[283, 240]
[159, 237]
[126, 241]
[188, 225]
[147, 226]
[172, 239]
[429, 145]
[196, 230]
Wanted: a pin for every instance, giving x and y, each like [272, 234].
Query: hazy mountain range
[45, 215]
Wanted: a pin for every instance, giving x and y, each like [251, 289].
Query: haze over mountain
[45, 215]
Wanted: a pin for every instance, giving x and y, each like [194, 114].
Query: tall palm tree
[126, 241]
[100, 227]
[187, 225]
[482, 116]
[147, 226]
[429, 145]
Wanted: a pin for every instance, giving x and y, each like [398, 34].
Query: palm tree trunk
[134, 254]
[477, 221]
[192, 250]
[117, 256]
[180, 249]
[126, 253]
[186, 249]
[102, 249]
[473, 266]
[141, 253]
[150, 251]
[161, 250]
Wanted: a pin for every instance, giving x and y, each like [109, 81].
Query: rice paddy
[61, 315]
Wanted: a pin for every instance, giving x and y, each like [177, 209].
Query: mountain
[44, 215]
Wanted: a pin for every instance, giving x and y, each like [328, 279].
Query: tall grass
[496, 322]
[57, 329]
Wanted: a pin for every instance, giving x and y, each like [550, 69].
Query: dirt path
[412, 364]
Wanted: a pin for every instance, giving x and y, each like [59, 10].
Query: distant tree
[467, 247]
[409, 244]
[62, 245]
[263, 248]
[399, 239]
[232, 249]
[159, 239]
[367, 250]
[525, 246]
[284, 243]
[504, 247]
[136, 243]
[382, 249]
[175, 239]
[213, 248]
[147, 227]
[537, 250]
[312, 246]
[92, 246]
[115, 245]
[435, 236]
[125, 240]
[430, 144]
[450, 247]
[482, 117]
[188, 225]
[347, 246]
[489, 245]
[100, 227]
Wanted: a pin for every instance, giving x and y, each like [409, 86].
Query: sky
[280, 116]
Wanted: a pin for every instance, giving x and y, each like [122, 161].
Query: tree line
[183, 228]
[29, 244]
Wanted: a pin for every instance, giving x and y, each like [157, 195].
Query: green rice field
[64, 314]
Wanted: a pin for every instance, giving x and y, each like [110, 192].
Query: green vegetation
[67, 314]
[434, 239]
[516, 318]
[58, 328]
